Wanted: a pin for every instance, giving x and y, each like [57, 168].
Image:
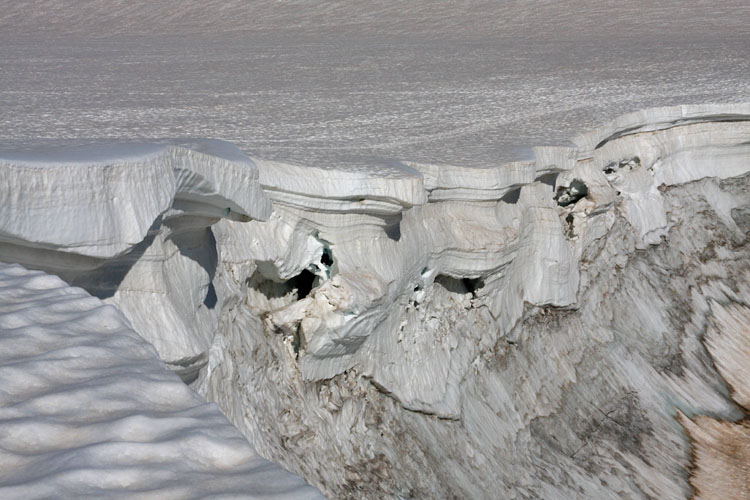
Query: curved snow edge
[97, 201]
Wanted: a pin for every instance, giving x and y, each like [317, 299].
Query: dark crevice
[298, 342]
[393, 226]
[473, 284]
[630, 164]
[303, 282]
[568, 195]
[570, 226]
[326, 264]
[459, 285]
[211, 299]
[327, 258]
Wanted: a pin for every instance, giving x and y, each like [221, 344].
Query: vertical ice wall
[531, 331]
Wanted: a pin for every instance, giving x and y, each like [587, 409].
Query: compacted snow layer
[87, 410]
[112, 193]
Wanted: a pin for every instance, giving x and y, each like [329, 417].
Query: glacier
[569, 326]
[398, 250]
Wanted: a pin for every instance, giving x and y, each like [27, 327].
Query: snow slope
[363, 82]
[87, 409]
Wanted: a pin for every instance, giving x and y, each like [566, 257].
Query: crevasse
[548, 328]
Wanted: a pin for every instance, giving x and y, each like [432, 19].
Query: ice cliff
[572, 326]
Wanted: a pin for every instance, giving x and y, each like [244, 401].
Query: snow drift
[88, 410]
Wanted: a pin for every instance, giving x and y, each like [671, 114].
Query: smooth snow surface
[87, 410]
[362, 83]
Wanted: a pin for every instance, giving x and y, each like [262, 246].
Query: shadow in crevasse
[459, 285]
[512, 196]
[393, 226]
[197, 244]
[105, 280]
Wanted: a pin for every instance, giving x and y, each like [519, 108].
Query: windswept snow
[514, 17]
[87, 410]
[354, 84]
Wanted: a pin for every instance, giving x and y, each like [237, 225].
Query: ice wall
[530, 330]
[130, 223]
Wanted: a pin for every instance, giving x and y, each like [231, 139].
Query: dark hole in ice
[630, 164]
[303, 282]
[211, 299]
[473, 284]
[459, 285]
[568, 195]
[327, 258]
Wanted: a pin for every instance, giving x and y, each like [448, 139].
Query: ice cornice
[99, 200]
[651, 119]
[398, 185]
[491, 183]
